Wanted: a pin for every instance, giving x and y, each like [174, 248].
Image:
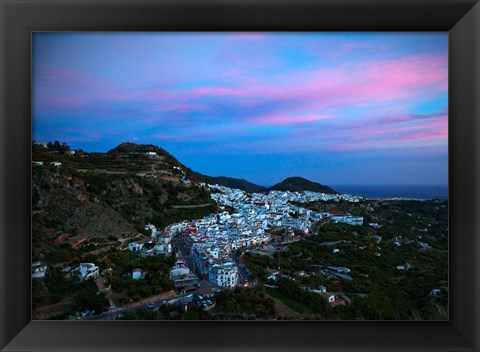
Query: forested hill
[238, 183]
[110, 195]
[298, 184]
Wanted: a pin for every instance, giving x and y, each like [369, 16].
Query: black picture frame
[18, 18]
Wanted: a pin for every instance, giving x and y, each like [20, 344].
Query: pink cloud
[390, 132]
[60, 88]
[376, 81]
[247, 36]
[286, 120]
[404, 78]
[56, 80]
[432, 131]
[63, 103]
[138, 94]
[342, 49]
[290, 97]
[362, 84]
[216, 91]
[179, 108]
[437, 124]
[424, 136]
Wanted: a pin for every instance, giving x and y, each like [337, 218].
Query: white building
[38, 270]
[86, 271]
[179, 272]
[163, 248]
[224, 275]
[134, 246]
[354, 220]
[41, 144]
[406, 266]
[149, 228]
[138, 274]
[183, 279]
[347, 219]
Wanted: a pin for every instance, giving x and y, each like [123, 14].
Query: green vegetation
[156, 279]
[59, 147]
[297, 184]
[170, 312]
[87, 297]
[257, 265]
[291, 303]
[109, 194]
[313, 301]
[378, 290]
[245, 301]
[109, 197]
[56, 287]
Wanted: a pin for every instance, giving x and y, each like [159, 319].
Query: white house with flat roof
[224, 275]
[86, 271]
[39, 270]
[134, 246]
[138, 274]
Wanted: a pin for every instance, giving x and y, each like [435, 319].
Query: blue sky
[336, 108]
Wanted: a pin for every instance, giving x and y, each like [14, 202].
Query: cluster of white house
[212, 240]
[345, 218]
[41, 163]
[81, 273]
[274, 209]
[160, 242]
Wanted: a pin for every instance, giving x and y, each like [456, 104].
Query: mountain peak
[129, 147]
[238, 183]
[298, 184]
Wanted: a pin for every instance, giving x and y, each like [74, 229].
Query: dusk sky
[335, 108]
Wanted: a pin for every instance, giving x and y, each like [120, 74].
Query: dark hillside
[238, 183]
[298, 184]
[111, 195]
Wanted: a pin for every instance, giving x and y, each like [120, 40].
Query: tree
[64, 147]
[60, 256]
[107, 263]
[376, 307]
[61, 147]
[58, 286]
[88, 297]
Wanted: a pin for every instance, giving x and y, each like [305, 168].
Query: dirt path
[284, 312]
[52, 310]
[153, 299]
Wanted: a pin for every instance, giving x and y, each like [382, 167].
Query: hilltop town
[133, 234]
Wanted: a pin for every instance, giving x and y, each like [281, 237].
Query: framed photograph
[206, 169]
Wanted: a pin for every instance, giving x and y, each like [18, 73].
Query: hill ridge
[297, 184]
[293, 184]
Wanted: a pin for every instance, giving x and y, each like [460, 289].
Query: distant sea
[395, 191]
